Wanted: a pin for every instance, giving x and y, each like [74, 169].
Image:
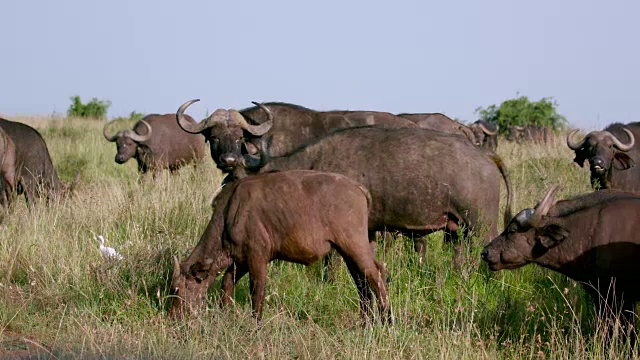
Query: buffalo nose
[228, 159]
[484, 254]
[598, 162]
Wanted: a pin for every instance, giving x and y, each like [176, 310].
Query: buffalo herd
[302, 183]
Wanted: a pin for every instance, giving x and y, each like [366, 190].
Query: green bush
[521, 111]
[133, 118]
[136, 116]
[96, 109]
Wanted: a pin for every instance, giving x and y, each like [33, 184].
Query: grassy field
[59, 298]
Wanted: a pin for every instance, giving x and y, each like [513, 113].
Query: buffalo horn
[543, 207]
[574, 145]
[176, 267]
[487, 131]
[619, 145]
[193, 128]
[140, 138]
[468, 133]
[257, 130]
[519, 128]
[105, 132]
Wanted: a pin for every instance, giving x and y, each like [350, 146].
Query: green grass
[58, 296]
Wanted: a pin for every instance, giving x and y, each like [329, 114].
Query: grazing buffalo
[441, 122]
[297, 216]
[592, 238]
[420, 180]
[157, 143]
[611, 154]
[530, 133]
[235, 136]
[35, 176]
[485, 134]
[7, 169]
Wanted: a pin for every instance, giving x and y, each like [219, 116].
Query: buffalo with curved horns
[235, 137]
[157, 143]
[611, 154]
[485, 134]
[592, 238]
[530, 133]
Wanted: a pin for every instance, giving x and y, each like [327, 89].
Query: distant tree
[136, 116]
[521, 111]
[96, 109]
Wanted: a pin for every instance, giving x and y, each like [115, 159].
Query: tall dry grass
[59, 297]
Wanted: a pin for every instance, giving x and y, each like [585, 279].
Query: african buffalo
[442, 123]
[7, 169]
[297, 216]
[35, 176]
[235, 136]
[420, 180]
[157, 143]
[485, 134]
[530, 133]
[611, 154]
[593, 239]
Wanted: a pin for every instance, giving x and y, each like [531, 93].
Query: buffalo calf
[297, 216]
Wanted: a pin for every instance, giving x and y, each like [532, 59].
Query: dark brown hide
[611, 162]
[420, 180]
[7, 169]
[168, 147]
[442, 123]
[296, 216]
[35, 175]
[592, 238]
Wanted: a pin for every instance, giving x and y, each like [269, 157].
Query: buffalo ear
[200, 271]
[251, 149]
[552, 235]
[622, 161]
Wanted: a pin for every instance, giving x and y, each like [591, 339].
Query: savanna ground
[59, 298]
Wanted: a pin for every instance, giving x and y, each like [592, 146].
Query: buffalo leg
[332, 262]
[451, 237]
[420, 246]
[258, 277]
[364, 294]
[231, 277]
[381, 292]
[369, 275]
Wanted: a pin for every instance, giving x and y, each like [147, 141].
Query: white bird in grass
[108, 252]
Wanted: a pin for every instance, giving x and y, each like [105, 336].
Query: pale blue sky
[396, 56]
